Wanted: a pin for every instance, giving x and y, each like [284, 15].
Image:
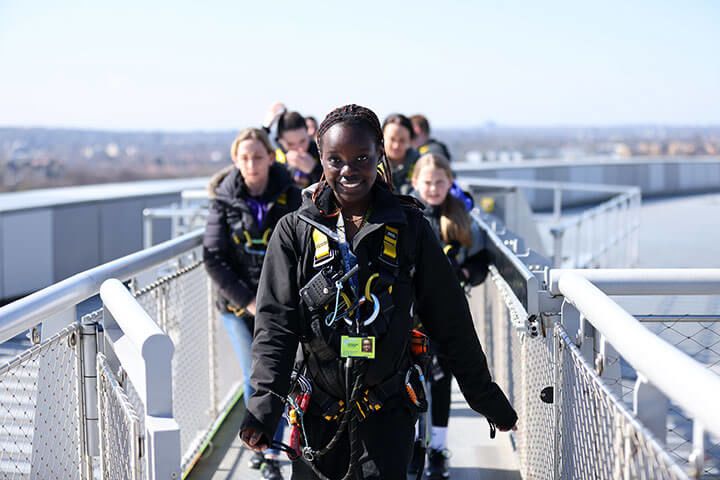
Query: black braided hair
[357, 115]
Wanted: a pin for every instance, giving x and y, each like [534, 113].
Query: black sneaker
[256, 460]
[437, 465]
[271, 470]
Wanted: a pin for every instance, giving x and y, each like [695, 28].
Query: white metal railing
[57, 304]
[603, 235]
[606, 235]
[183, 219]
[667, 378]
[206, 375]
[41, 414]
[90, 369]
[564, 375]
[135, 344]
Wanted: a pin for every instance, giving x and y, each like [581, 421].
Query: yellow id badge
[357, 347]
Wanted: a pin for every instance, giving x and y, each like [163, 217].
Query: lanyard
[348, 257]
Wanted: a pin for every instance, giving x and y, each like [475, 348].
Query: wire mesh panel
[701, 341]
[186, 322]
[536, 433]
[206, 374]
[183, 307]
[40, 427]
[120, 428]
[600, 438]
[523, 367]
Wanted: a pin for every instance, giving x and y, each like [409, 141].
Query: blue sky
[185, 65]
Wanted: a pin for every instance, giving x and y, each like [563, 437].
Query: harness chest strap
[324, 254]
[263, 239]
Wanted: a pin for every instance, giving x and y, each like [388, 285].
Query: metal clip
[309, 454]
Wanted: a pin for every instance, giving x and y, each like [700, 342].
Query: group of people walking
[341, 253]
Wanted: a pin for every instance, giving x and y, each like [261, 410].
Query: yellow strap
[368, 285]
[381, 169]
[266, 236]
[390, 242]
[282, 199]
[280, 156]
[248, 238]
[447, 248]
[322, 245]
[410, 171]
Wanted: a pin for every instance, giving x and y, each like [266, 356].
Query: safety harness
[347, 309]
[253, 243]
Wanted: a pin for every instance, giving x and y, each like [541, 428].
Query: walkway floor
[474, 455]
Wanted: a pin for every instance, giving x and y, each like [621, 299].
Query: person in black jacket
[296, 149]
[423, 142]
[463, 242]
[343, 272]
[398, 135]
[248, 200]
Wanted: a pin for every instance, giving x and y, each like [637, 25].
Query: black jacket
[474, 259]
[435, 146]
[235, 271]
[282, 319]
[402, 174]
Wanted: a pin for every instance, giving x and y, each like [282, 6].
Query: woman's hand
[251, 308]
[276, 109]
[303, 161]
[254, 439]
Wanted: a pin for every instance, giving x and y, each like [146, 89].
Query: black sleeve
[316, 173]
[445, 313]
[294, 198]
[277, 327]
[446, 152]
[216, 255]
[477, 267]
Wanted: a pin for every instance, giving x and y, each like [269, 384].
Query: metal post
[557, 203]
[175, 223]
[697, 456]
[147, 228]
[88, 352]
[214, 400]
[557, 403]
[578, 242]
[651, 407]
[557, 234]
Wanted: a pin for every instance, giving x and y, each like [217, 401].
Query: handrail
[469, 179]
[522, 281]
[656, 360]
[33, 309]
[145, 353]
[644, 281]
[152, 376]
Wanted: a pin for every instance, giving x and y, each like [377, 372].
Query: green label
[357, 347]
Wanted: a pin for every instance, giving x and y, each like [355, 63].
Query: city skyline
[179, 67]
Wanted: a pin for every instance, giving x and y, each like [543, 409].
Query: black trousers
[387, 437]
[440, 394]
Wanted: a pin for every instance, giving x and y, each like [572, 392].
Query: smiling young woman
[346, 270]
